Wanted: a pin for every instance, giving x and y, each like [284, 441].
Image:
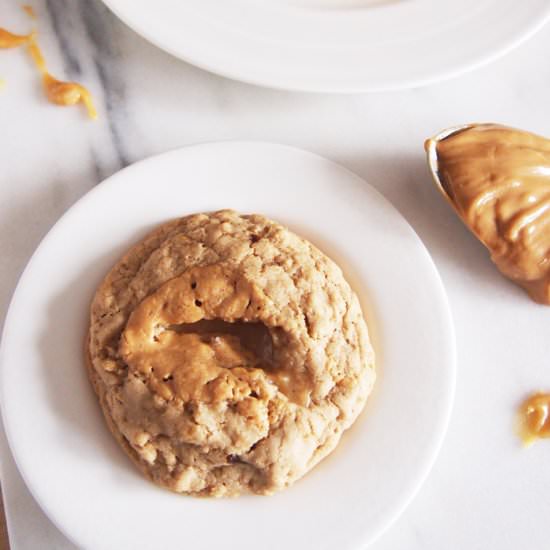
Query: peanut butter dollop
[534, 417]
[498, 181]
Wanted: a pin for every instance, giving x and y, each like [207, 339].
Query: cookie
[228, 355]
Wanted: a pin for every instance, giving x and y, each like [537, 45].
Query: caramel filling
[498, 181]
[254, 337]
[200, 337]
[534, 417]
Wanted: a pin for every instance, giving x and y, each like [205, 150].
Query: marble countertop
[485, 490]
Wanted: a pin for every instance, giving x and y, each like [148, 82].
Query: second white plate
[335, 45]
[66, 454]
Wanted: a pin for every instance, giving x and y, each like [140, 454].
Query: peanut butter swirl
[498, 181]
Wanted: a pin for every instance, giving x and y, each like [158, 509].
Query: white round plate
[67, 456]
[335, 45]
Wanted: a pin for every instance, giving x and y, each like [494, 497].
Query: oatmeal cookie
[228, 354]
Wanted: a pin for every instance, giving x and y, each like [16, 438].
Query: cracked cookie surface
[228, 354]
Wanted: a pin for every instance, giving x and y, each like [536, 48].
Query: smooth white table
[485, 490]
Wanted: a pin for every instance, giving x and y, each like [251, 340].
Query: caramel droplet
[29, 10]
[534, 418]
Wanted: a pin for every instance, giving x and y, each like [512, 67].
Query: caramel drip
[10, 40]
[498, 181]
[534, 418]
[57, 91]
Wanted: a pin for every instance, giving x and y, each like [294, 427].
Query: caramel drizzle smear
[10, 40]
[57, 91]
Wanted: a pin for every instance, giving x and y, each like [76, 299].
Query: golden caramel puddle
[10, 40]
[534, 418]
[57, 91]
[29, 10]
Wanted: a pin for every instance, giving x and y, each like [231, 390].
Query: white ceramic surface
[71, 463]
[335, 45]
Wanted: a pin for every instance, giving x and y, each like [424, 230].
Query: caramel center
[200, 337]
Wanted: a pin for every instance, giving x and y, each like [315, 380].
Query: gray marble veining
[95, 56]
[64, 31]
[101, 31]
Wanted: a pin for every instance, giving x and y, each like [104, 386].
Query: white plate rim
[447, 330]
[301, 84]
